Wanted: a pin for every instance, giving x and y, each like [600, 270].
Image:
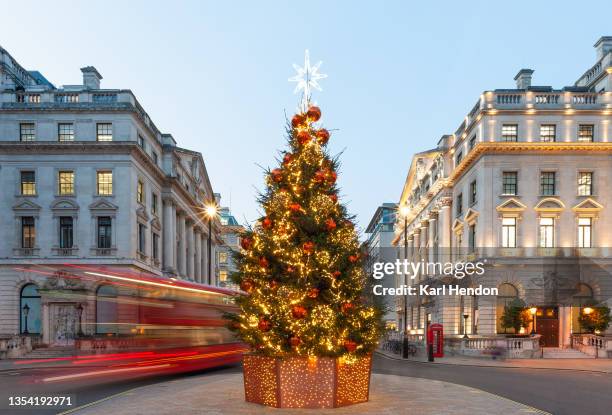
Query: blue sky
[214, 74]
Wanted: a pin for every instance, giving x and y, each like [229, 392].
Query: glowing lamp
[533, 311]
[587, 310]
[211, 211]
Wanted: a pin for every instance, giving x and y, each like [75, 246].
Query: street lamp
[79, 309]
[211, 212]
[26, 311]
[533, 311]
[465, 317]
[404, 211]
[587, 310]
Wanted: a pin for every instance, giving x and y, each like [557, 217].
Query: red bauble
[246, 243]
[277, 175]
[334, 198]
[350, 345]
[303, 137]
[332, 177]
[353, 258]
[308, 247]
[297, 120]
[336, 274]
[273, 285]
[314, 113]
[290, 269]
[322, 136]
[295, 207]
[294, 341]
[264, 325]
[330, 224]
[287, 158]
[313, 293]
[246, 286]
[266, 223]
[263, 262]
[346, 307]
[298, 311]
[320, 176]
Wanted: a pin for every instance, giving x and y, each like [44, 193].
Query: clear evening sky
[214, 74]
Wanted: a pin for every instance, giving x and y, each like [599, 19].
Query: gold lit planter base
[300, 382]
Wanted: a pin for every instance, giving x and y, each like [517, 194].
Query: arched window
[581, 298]
[506, 294]
[29, 310]
[106, 310]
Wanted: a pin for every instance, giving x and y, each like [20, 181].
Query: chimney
[91, 77]
[603, 46]
[523, 78]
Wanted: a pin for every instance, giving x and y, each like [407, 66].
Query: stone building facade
[231, 232]
[522, 184]
[88, 179]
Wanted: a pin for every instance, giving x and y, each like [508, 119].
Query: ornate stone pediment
[24, 207]
[64, 204]
[511, 205]
[457, 226]
[550, 205]
[141, 212]
[155, 224]
[470, 216]
[102, 204]
[588, 207]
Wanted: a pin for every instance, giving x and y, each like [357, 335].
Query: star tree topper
[307, 77]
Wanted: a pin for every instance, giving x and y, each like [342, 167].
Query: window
[27, 131]
[459, 201]
[30, 301]
[548, 132]
[223, 257]
[155, 158]
[223, 275]
[547, 183]
[105, 183]
[585, 183]
[66, 232]
[547, 232]
[473, 192]
[472, 238]
[65, 132]
[141, 142]
[154, 206]
[509, 232]
[458, 158]
[104, 132]
[141, 238]
[65, 182]
[510, 183]
[585, 133]
[507, 294]
[106, 310]
[28, 232]
[472, 143]
[584, 233]
[510, 132]
[104, 232]
[140, 196]
[28, 183]
[155, 252]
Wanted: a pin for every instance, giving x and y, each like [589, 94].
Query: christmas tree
[301, 265]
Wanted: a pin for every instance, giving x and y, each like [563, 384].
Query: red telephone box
[435, 336]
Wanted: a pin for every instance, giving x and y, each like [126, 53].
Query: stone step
[50, 352]
[556, 353]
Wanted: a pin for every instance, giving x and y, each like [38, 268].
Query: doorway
[547, 325]
[63, 317]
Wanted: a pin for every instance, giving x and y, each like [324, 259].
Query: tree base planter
[300, 382]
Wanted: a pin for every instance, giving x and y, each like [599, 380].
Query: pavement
[588, 365]
[224, 394]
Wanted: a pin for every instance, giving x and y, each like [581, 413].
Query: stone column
[444, 229]
[169, 237]
[204, 256]
[425, 240]
[182, 248]
[190, 250]
[416, 258]
[431, 235]
[198, 254]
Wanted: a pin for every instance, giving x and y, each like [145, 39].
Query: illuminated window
[222, 275]
[548, 132]
[223, 257]
[509, 183]
[585, 133]
[547, 183]
[28, 183]
[27, 131]
[28, 232]
[585, 183]
[105, 183]
[584, 233]
[509, 232]
[140, 195]
[65, 132]
[547, 232]
[104, 132]
[509, 132]
[65, 182]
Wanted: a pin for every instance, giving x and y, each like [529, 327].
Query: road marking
[116, 395]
